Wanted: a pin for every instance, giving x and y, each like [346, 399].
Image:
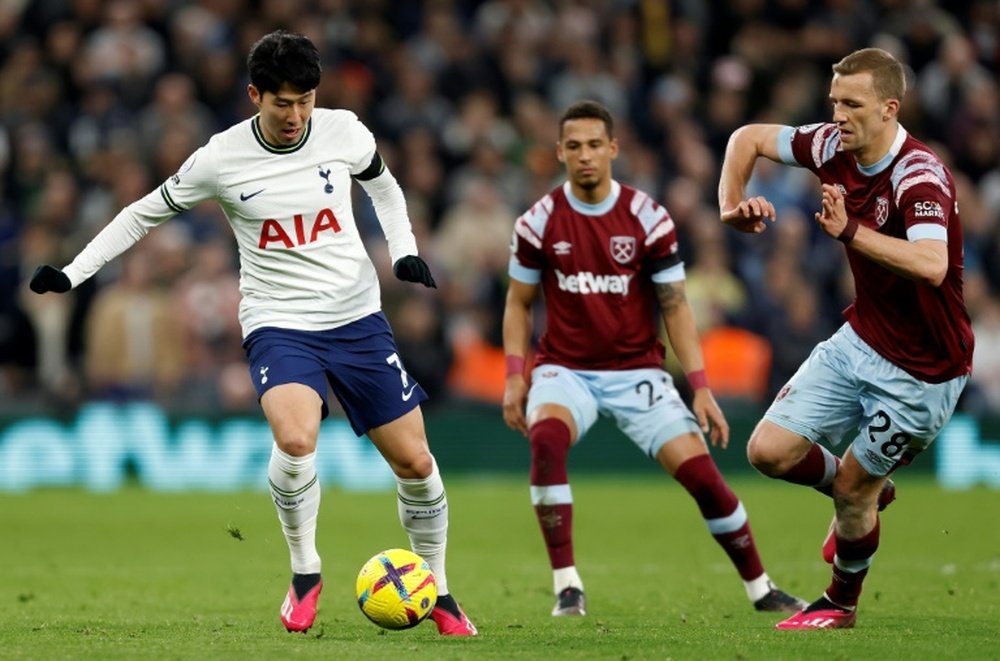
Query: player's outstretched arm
[413, 269]
[678, 319]
[745, 145]
[49, 278]
[125, 229]
[517, 324]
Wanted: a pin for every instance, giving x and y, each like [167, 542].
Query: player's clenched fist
[413, 269]
[750, 215]
[49, 278]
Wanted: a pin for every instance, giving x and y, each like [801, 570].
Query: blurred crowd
[101, 100]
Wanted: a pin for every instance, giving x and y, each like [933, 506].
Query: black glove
[413, 269]
[49, 278]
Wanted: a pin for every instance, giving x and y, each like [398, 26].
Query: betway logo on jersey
[930, 209]
[297, 232]
[586, 282]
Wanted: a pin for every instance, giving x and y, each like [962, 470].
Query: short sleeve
[809, 146]
[924, 195]
[527, 258]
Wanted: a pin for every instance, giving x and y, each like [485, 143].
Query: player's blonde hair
[888, 75]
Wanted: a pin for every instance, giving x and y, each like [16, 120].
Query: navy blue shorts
[360, 362]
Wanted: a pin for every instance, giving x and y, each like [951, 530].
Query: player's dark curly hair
[284, 57]
[588, 110]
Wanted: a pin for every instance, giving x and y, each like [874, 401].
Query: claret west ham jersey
[909, 195]
[597, 265]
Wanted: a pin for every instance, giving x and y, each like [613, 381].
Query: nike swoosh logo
[407, 395]
[244, 197]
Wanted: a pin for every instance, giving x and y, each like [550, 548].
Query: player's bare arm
[925, 261]
[745, 145]
[517, 325]
[678, 319]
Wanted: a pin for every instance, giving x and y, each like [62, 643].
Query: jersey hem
[302, 325]
[937, 377]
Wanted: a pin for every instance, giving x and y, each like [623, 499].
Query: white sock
[758, 587]
[296, 493]
[423, 511]
[566, 577]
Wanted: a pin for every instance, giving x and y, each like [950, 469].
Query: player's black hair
[284, 57]
[588, 110]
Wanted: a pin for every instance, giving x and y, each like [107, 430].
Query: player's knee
[414, 465]
[550, 441]
[766, 457]
[296, 444]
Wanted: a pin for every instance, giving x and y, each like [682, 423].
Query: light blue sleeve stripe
[523, 273]
[673, 274]
[730, 523]
[785, 145]
[927, 231]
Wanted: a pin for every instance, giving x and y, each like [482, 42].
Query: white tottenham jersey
[302, 262]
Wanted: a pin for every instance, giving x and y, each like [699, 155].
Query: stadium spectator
[889, 379]
[713, 291]
[605, 254]
[472, 240]
[311, 310]
[135, 348]
[947, 81]
[206, 302]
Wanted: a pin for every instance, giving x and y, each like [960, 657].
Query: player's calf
[885, 497]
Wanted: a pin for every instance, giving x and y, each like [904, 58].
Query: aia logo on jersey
[623, 248]
[881, 210]
[272, 231]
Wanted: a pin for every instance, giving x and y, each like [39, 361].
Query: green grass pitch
[141, 575]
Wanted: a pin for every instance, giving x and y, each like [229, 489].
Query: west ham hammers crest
[881, 210]
[623, 248]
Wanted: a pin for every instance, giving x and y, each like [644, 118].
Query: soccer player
[605, 255]
[311, 309]
[888, 380]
